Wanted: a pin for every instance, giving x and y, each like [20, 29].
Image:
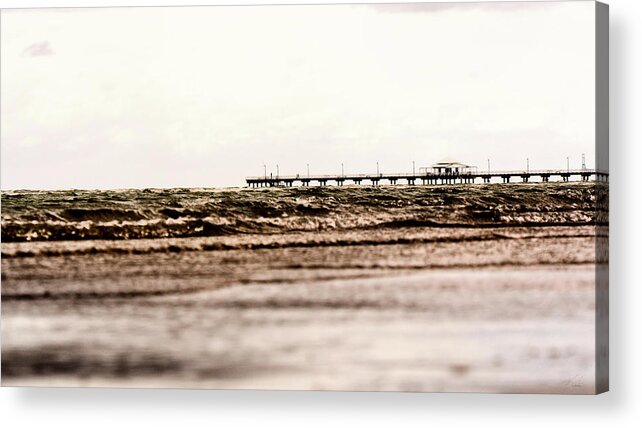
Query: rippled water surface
[439, 288]
[162, 213]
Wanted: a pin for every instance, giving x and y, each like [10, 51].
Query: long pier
[428, 178]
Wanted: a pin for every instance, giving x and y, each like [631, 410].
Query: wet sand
[488, 315]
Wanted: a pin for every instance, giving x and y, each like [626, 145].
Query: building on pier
[449, 167]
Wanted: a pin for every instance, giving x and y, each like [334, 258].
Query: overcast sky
[203, 96]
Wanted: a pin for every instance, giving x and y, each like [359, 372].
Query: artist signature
[576, 381]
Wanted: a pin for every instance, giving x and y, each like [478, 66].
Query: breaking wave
[181, 213]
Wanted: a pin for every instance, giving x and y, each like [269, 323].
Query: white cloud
[38, 49]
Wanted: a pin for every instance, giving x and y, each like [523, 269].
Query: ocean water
[413, 288]
[165, 213]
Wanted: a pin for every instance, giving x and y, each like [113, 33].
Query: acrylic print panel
[385, 197]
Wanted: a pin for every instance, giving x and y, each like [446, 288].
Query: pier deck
[426, 178]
